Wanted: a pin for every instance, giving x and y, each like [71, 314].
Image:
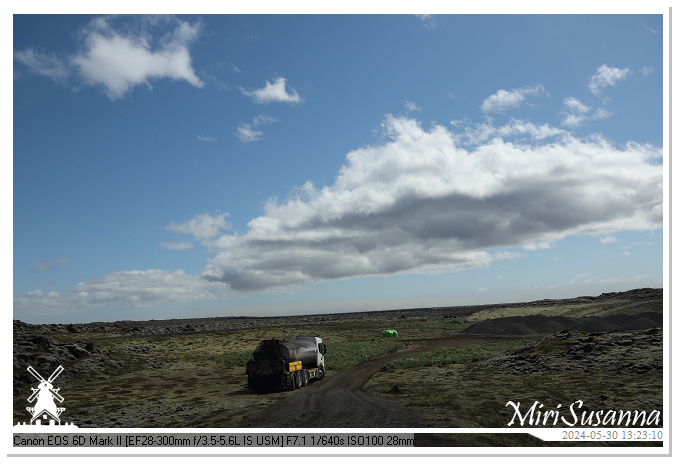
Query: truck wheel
[298, 379]
[321, 373]
[292, 381]
[305, 378]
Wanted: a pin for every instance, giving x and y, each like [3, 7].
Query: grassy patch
[341, 354]
[466, 397]
[453, 355]
[350, 353]
[530, 382]
[231, 359]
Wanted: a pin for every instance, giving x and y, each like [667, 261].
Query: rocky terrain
[636, 352]
[607, 349]
[634, 302]
[606, 371]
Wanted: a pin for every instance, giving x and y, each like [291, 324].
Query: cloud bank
[428, 201]
[134, 288]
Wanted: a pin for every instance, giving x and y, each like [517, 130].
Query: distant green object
[390, 333]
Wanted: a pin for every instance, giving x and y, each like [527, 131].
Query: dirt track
[338, 400]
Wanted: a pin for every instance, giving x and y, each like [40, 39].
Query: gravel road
[339, 401]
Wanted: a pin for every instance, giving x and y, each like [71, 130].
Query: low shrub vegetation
[453, 355]
[232, 359]
[340, 355]
[350, 353]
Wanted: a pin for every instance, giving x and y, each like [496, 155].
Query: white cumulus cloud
[606, 76]
[410, 106]
[275, 92]
[120, 61]
[576, 113]
[247, 133]
[202, 226]
[120, 53]
[503, 100]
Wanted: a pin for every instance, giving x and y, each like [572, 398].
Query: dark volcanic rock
[616, 352]
[31, 348]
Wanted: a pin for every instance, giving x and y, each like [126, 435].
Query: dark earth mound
[528, 325]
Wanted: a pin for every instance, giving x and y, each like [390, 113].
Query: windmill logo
[45, 408]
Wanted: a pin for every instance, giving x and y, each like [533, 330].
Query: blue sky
[217, 165]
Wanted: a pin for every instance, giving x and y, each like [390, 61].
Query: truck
[286, 364]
